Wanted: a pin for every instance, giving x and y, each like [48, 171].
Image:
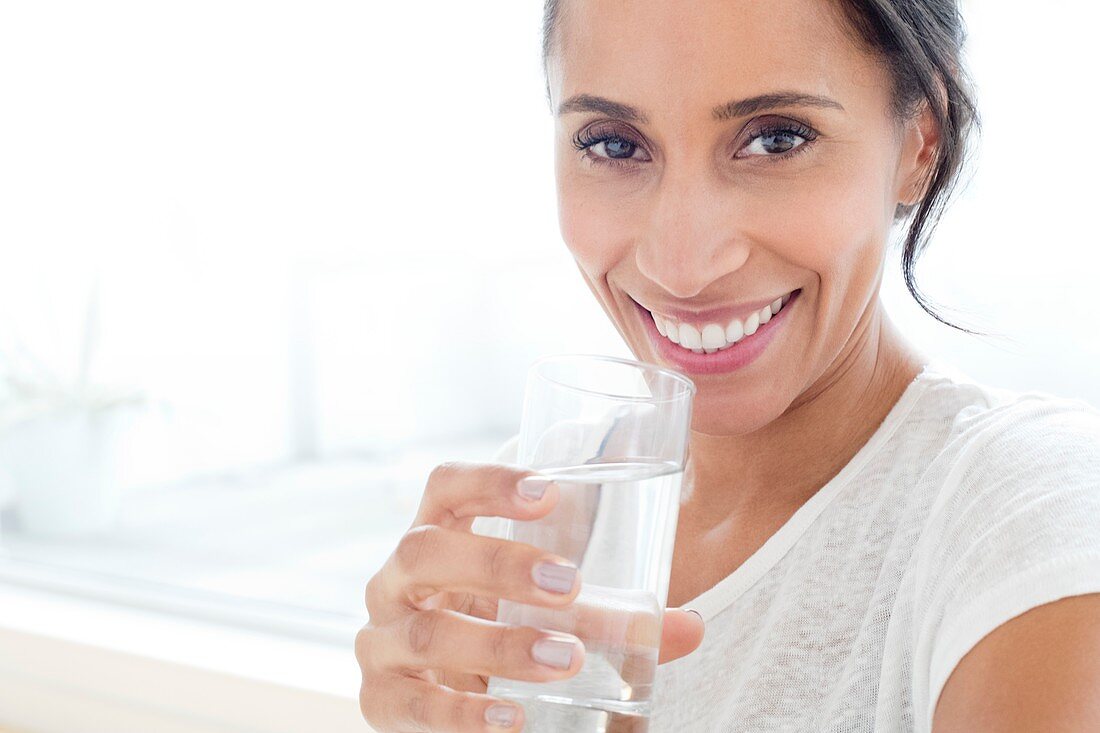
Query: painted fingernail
[554, 651]
[532, 487]
[555, 577]
[500, 715]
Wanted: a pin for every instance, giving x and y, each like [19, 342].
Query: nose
[690, 239]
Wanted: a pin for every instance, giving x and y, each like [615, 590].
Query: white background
[328, 229]
[324, 241]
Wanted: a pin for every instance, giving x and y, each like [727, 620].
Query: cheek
[597, 232]
[830, 220]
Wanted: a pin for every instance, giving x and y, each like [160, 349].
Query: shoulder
[990, 436]
[1013, 485]
[969, 446]
[975, 408]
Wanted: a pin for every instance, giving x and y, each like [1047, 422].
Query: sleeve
[497, 526]
[1017, 525]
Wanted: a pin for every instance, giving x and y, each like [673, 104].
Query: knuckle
[499, 647]
[411, 548]
[371, 595]
[417, 708]
[364, 701]
[457, 712]
[420, 631]
[444, 472]
[362, 645]
[497, 560]
[369, 705]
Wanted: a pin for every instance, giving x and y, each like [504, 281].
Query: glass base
[546, 714]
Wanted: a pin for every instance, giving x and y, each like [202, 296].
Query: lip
[713, 315]
[741, 354]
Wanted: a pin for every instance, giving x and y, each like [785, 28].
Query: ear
[921, 140]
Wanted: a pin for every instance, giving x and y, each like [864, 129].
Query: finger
[626, 638]
[398, 703]
[447, 639]
[458, 491]
[630, 640]
[681, 634]
[600, 625]
[633, 644]
[597, 623]
[430, 558]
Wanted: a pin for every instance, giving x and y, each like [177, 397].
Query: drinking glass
[613, 434]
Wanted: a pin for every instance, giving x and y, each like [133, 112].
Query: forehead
[679, 59]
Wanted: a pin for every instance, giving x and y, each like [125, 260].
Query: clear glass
[613, 433]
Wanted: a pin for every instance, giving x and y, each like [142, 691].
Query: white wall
[1017, 254]
[330, 227]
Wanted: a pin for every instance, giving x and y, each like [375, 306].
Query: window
[264, 265]
[298, 268]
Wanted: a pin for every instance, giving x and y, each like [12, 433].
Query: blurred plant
[29, 389]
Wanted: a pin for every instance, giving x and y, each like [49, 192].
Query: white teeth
[735, 331]
[689, 337]
[713, 337]
[752, 323]
[673, 333]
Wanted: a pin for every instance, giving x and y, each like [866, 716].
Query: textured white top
[969, 505]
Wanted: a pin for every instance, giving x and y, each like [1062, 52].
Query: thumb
[681, 634]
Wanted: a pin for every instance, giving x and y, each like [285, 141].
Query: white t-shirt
[967, 506]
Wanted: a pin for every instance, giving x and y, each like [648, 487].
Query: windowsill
[70, 663]
[212, 606]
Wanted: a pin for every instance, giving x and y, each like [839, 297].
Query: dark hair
[921, 42]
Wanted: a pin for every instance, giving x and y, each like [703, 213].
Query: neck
[733, 479]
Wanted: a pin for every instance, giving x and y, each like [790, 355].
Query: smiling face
[715, 157]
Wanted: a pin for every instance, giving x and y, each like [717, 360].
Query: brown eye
[777, 141]
[605, 147]
[616, 147]
[774, 143]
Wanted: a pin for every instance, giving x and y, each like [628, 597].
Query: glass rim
[644, 366]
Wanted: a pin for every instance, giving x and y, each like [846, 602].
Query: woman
[873, 541]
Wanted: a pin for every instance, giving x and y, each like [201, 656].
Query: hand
[432, 641]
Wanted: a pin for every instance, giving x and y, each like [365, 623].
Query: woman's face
[682, 202]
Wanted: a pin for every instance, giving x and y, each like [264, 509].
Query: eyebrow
[729, 110]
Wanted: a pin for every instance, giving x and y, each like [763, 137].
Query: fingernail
[555, 577]
[532, 487]
[501, 715]
[554, 651]
[692, 610]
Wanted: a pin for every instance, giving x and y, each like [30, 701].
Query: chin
[715, 413]
[729, 404]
